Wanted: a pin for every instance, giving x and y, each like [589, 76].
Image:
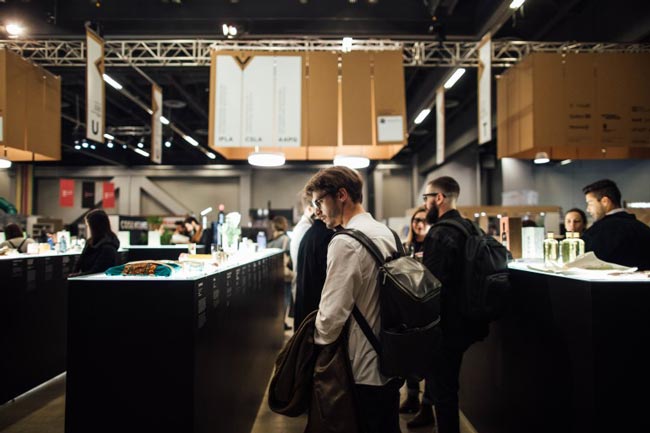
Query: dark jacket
[315, 378]
[312, 269]
[98, 257]
[443, 256]
[620, 238]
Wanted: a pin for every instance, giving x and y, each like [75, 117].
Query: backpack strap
[398, 242]
[365, 327]
[459, 226]
[364, 240]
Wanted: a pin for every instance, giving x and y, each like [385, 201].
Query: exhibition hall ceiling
[186, 89]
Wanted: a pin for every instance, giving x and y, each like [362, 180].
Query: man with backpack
[352, 280]
[444, 256]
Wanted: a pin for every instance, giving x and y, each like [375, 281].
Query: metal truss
[196, 52]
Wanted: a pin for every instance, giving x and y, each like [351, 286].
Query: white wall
[278, 185]
[5, 185]
[397, 193]
[463, 167]
[47, 199]
[559, 185]
[197, 194]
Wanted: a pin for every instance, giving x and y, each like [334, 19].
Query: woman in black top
[100, 252]
[417, 232]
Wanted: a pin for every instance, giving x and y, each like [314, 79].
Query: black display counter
[161, 252]
[570, 356]
[32, 320]
[178, 354]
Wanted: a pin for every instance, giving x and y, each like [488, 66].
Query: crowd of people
[333, 276]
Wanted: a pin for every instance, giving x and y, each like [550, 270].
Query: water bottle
[63, 247]
[261, 240]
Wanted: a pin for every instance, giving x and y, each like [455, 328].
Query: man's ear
[342, 195]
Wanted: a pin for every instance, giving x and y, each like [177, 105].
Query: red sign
[108, 196]
[66, 192]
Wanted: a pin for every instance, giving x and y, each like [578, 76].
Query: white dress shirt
[352, 279]
[298, 233]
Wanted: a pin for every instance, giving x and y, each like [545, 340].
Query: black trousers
[379, 407]
[443, 385]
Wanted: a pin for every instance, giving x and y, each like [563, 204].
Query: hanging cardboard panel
[580, 96]
[389, 87]
[548, 101]
[513, 112]
[15, 76]
[356, 108]
[502, 117]
[44, 119]
[525, 105]
[322, 99]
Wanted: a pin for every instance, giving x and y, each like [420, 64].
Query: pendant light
[352, 161]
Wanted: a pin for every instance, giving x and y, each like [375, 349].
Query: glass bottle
[580, 244]
[550, 249]
[565, 248]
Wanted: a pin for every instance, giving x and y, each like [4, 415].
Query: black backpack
[409, 299]
[485, 281]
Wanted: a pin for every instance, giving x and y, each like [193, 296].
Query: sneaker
[410, 405]
[423, 418]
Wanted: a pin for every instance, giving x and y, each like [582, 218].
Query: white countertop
[164, 247]
[36, 256]
[184, 276]
[581, 274]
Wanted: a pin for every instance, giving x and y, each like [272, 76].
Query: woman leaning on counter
[100, 252]
[15, 239]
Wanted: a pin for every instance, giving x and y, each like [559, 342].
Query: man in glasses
[443, 256]
[352, 280]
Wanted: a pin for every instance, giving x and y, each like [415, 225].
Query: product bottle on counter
[566, 255]
[261, 240]
[550, 249]
[580, 244]
[63, 245]
[221, 218]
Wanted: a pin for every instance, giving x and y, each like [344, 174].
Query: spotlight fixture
[423, 115]
[142, 152]
[14, 30]
[164, 120]
[168, 143]
[109, 144]
[84, 143]
[190, 140]
[566, 162]
[109, 136]
[266, 159]
[351, 161]
[93, 147]
[77, 147]
[141, 143]
[516, 4]
[454, 78]
[114, 84]
[229, 31]
[124, 146]
[211, 155]
[541, 158]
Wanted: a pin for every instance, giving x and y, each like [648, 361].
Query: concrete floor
[43, 411]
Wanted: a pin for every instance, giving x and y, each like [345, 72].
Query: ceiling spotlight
[229, 31]
[566, 162]
[454, 77]
[190, 140]
[168, 143]
[541, 158]
[109, 136]
[516, 4]
[109, 144]
[266, 159]
[164, 120]
[84, 143]
[112, 82]
[14, 30]
[211, 155]
[140, 144]
[142, 152]
[124, 146]
[352, 161]
[93, 147]
[77, 147]
[423, 115]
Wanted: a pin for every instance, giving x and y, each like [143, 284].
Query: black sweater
[99, 257]
[620, 238]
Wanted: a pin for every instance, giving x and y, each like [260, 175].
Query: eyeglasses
[419, 220]
[317, 202]
[432, 194]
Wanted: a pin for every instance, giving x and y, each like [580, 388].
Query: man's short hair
[191, 219]
[334, 178]
[447, 185]
[604, 188]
